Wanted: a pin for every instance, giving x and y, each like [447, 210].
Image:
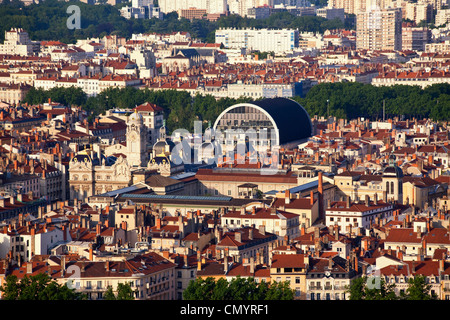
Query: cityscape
[225, 150]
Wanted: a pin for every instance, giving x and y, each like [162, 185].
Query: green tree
[418, 289]
[37, 287]
[238, 288]
[109, 294]
[124, 292]
[360, 290]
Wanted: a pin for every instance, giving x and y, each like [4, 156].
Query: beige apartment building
[292, 268]
[151, 276]
[13, 93]
[379, 29]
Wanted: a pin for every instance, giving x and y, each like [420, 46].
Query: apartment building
[151, 276]
[13, 93]
[415, 38]
[379, 29]
[442, 17]
[210, 6]
[281, 223]
[293, 269]
[357, 215]
[17, 42]
[264, 40]
[245, 242]
[25, 239]
[329, 276]
[331, 13]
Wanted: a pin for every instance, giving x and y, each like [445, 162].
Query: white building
[16, 42]
[141, 9]
[356, 215]
[28, 239]
[331, 13]
[264, 40]
[211, 6]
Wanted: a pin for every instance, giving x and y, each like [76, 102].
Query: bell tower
[392, 181]
[136, 140]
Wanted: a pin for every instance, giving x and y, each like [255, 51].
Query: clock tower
[136, 141]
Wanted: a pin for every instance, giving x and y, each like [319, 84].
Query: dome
[286, 117]
[392, 170]
[160, 147]
[136, 117]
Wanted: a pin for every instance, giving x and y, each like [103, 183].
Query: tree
[124, 292]
[360, 290]
[37, 287]
[109, 294]
[418, 289]
[238, 288]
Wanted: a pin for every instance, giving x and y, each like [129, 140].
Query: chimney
[262, 229]
[63, 265]
[225, 264]
[367, 201]
[250, 233]
[311, 198]
[238, 236]
[347, 204]
[91, 252]
[287, 196]
[158, 223]
[252, 265]
[29, 267]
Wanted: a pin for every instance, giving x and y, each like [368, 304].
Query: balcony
[315, 287]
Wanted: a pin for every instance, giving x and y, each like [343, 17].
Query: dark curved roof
[291, 118]
[392, 170]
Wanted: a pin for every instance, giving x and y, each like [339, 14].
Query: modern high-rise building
[379, 29]
[415, 38]
[211, 6]
[442, 17]
[264, 40]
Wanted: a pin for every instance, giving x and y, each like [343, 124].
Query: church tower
[392, 181]
[136, 141]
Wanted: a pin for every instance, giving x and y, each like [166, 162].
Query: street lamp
[328, 108]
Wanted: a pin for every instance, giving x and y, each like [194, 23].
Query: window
[297, 280]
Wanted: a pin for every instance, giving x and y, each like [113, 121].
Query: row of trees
[343, 100]
[180, 108]
[43, 287]
[351, 100]
[47, 21]
[417, 289]
[238, 288]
